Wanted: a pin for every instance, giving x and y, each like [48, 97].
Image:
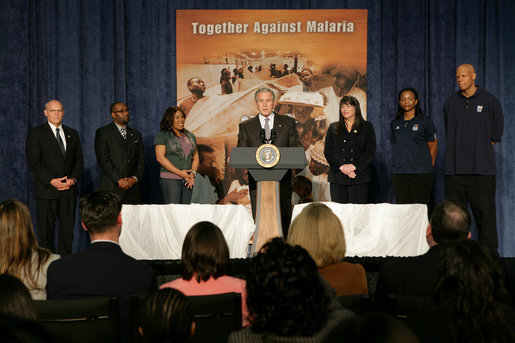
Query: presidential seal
[267, 155]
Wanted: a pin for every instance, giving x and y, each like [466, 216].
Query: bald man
[473, 124]
[54, 156]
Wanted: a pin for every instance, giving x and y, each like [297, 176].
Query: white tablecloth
[381, 229]
[157, 231]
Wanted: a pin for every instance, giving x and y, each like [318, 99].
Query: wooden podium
[268, 211]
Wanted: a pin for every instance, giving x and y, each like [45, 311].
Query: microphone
[273, 136]
[262, 136]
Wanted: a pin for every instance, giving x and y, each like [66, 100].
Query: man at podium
[269, 127]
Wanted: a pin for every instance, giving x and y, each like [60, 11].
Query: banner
[309, 58]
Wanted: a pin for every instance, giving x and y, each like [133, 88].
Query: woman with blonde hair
[318, 230]
[20, 254]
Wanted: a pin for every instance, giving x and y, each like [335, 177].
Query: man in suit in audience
[120, 155]
[286, 135]
[416, 276]
[54, 156]
[103, 269]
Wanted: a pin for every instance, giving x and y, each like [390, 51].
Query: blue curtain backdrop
[90, 53]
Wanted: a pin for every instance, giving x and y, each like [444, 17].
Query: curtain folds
[90, 53]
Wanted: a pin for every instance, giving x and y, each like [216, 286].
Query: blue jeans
[175, 191]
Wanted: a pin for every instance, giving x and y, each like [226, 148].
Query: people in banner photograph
[414, 146]
[176, 152]
[197, 87]
[225, 81]
[350, 145]
[345, 82]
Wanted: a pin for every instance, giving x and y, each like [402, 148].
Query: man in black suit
[280, 127]
[54, 156]
[417, 275]
[120, 155]
[102, 269]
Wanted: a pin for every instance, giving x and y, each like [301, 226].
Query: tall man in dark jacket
[54, 156]
[286, 136]
[120, 155]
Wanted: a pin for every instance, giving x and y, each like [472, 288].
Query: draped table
[156, 232]
[381, 229]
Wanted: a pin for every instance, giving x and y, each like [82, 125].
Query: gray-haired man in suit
[54, 156]
[286, 135]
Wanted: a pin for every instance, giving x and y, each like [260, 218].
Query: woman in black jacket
[350, 145]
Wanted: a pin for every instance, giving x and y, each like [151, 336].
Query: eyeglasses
[123, 111]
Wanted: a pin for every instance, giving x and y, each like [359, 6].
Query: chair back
[216, 316]
[357, 303]
[81, 320]
[407, 306]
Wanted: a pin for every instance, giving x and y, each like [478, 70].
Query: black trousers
[412, 188]
[47, 211]
[479, 192]
[349, 194]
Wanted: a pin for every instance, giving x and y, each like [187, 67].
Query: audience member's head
[318, 230]
[15, 299]
[100, 213]
[470, 285]
[372, 327]
[166, 316]
[450, 222]
[204, 252]
[285, 294]
[18, 245]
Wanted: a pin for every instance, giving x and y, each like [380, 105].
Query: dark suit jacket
[46, 162]
[103, 269]
[409, 275]
[119, 158]
[357, 148]
[287, 136]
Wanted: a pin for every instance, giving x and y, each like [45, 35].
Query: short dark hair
[204, 252]
[166, 316]
[450, 222]
[285, 294]
[99, 210]
[166, 123]
[111, 108]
